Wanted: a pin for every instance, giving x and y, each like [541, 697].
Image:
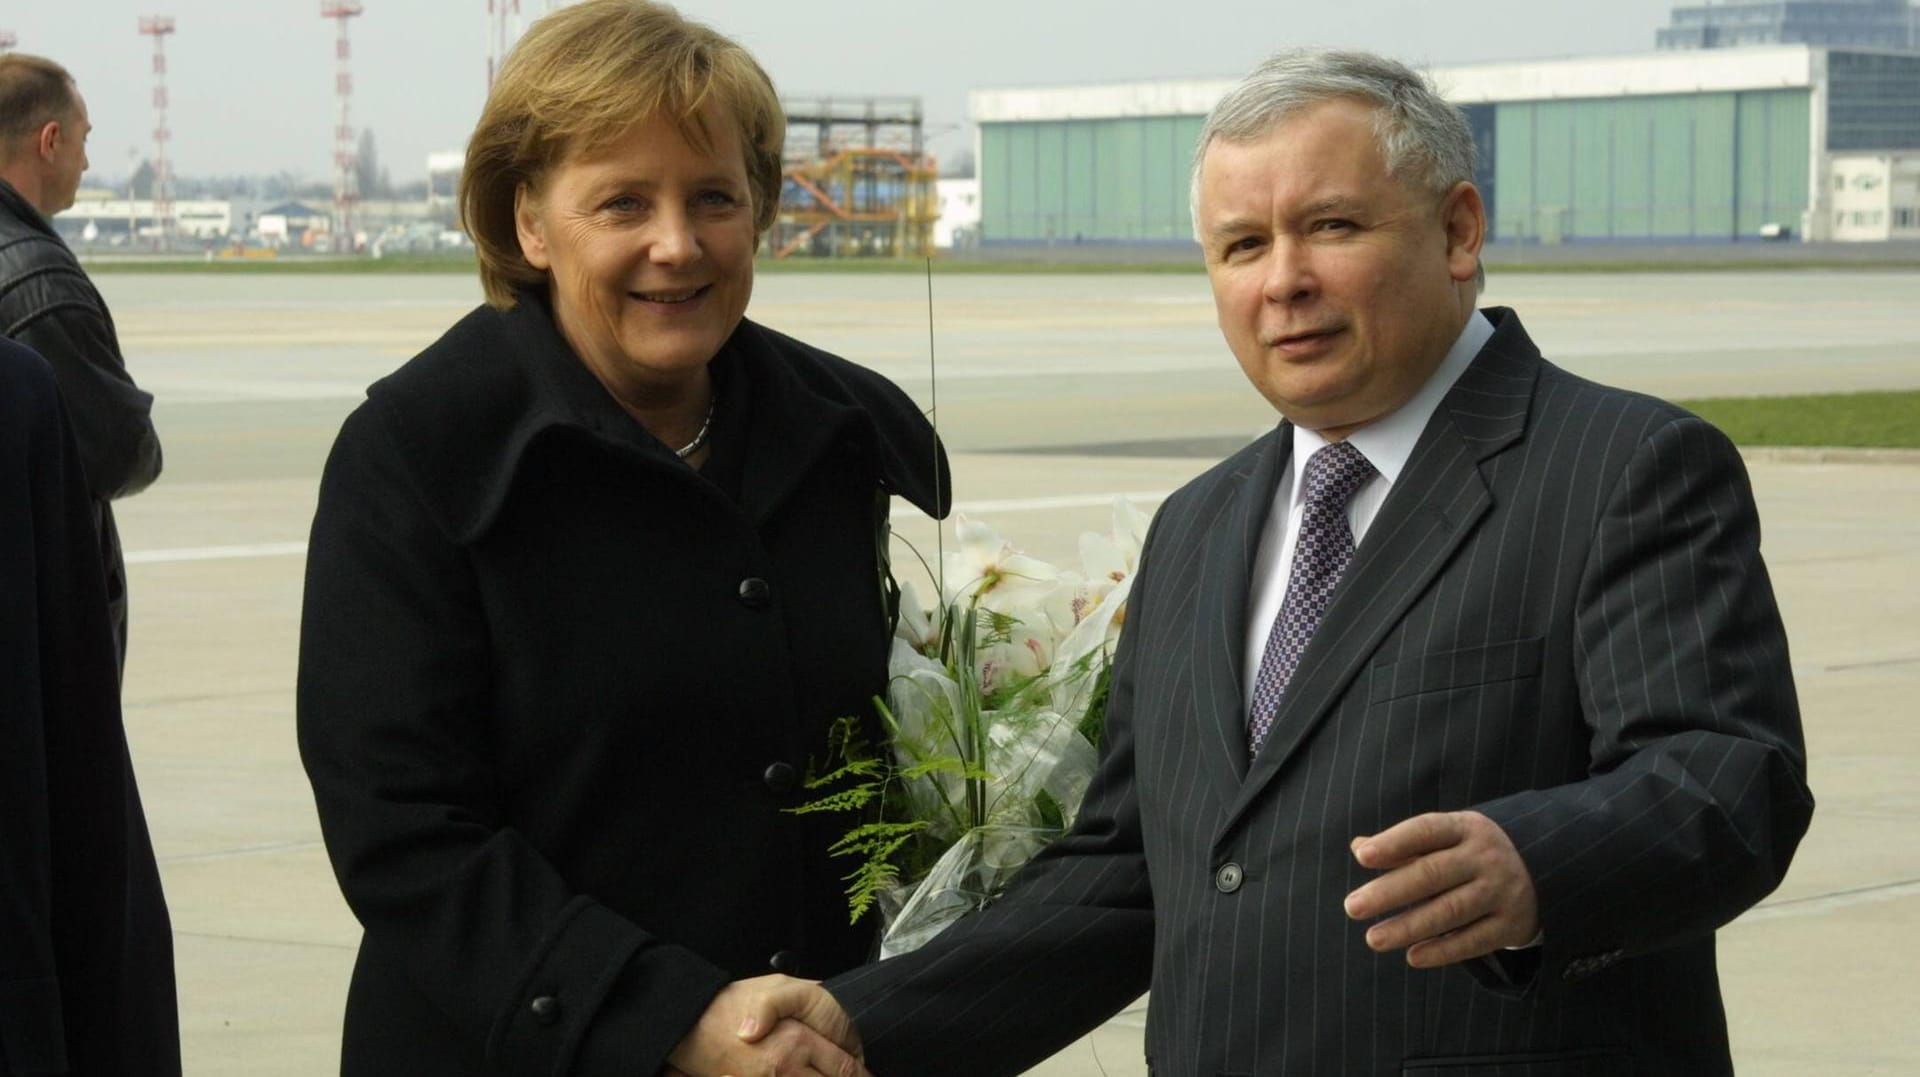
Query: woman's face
[649, 245]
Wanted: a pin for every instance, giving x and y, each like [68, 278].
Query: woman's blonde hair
[586, 74]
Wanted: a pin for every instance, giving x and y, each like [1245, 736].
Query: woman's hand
[770, 1026]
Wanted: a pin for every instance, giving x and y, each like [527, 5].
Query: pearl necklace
[700, 439]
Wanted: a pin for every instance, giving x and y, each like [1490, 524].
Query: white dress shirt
[1387, 444]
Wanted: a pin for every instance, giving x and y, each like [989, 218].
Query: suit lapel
[1219, 639]
[1437, 502]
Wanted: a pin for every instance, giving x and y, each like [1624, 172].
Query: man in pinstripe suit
[1479, 806]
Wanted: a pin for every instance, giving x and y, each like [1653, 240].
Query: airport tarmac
[1056, 393]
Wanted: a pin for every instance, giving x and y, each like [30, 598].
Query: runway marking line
[216, 553]
[1818, 904]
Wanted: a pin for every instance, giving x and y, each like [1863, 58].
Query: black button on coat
[538, 716]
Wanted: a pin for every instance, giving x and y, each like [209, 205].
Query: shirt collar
[1388, 443]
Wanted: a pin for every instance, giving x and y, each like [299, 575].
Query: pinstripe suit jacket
[1559, 618]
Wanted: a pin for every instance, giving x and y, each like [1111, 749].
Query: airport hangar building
[1671, 147]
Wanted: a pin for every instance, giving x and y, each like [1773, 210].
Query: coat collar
[16, 205]
[1439, 500]
[30, 224]
[468, 410]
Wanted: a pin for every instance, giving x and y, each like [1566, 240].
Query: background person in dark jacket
[48, 304]
[86, 951]
[589, 580]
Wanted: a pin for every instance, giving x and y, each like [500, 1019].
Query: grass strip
[1878, 420]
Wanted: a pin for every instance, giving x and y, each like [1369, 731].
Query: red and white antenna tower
[345, 155]
[159, 26]
[503, 29]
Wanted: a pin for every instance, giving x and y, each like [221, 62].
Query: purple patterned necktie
[1320, 557]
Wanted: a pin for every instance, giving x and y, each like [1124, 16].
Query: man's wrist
[1539, 937]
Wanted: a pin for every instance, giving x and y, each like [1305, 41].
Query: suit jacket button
[754, 592]
[786, 962]
[780, 777]
[546, 1009]
[1228, 878]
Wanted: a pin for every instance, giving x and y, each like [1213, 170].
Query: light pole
[133, 173]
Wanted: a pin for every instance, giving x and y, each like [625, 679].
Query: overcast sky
[251, 81]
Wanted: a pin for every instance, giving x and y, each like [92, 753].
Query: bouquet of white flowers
[993, 712]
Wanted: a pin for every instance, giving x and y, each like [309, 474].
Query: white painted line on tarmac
[299, 549]
[216, 553]
[1821, 904]
[270, 847]
[1069, 501]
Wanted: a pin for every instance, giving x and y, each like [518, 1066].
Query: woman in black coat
[590, 579]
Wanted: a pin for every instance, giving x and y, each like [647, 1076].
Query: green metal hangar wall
[1700, 146]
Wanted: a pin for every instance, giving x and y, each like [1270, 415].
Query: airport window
[1870, 100]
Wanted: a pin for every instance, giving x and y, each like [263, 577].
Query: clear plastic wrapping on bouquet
[1036, 766]
[969, 875]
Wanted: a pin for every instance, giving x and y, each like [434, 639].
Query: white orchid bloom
[1063, 605]
[990, 569]
[1106, 569]
[1099, 624]
[1091, 641]
[916, 626]
[1105, 560]
[1027, 654]
[1130, 530]
[1110, 560]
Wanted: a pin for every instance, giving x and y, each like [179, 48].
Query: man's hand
[1455, 888]
[770, 1026]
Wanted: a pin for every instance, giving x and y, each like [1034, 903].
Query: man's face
[1339, 288]
[69, 161]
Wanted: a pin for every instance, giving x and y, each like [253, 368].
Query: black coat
[557, 689]
[86, 950]
[48, 304]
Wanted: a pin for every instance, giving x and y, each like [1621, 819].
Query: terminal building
[1711, 145]
[1886, 24]
[96, 217]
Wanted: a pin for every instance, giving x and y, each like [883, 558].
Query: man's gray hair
[1424, 139]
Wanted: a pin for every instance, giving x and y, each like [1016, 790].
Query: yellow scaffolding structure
[859, 202]
[858, 183]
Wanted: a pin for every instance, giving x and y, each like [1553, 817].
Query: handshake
[770, 1026]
